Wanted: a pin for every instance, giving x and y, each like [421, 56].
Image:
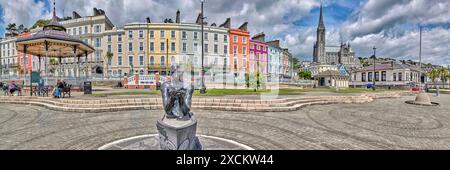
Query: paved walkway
[383, 124]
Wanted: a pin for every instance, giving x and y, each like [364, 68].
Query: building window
[216, 48]
[109, 62]
[119, 60]
[109, 48]
[162, 60]
[377, 76]
[152, 46]
[206, 48]
[172, 60]
[152, 60]
[383, 76]
[195, 47]
[395, 77]
[80, 30]
[98, 42]
[172, 34]
[162, 49]
[206, 36]
[109, 38]
[86, 30]
[184, 47]
[235, 38]
[195, 35]
[225, 38]
[141, 46]
[141, 60]
[216, 37]
[173, 46]
[141, 34]
[98, 28]
[161, 35]
[130, 47]
[400, 76]
[120, 72]
[183, 35]
[130, 34]
[130, 60]
[74, 31]
[244, 50]
[244, 40]
[370, 77]
[119, 37]
[119, 48]
[235, 50]
[152, 34]
[225, 49]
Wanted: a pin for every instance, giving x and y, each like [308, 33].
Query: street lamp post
[203, 88]
[374, 68]
[420, 60]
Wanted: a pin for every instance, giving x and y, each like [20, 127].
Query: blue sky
[390, 25]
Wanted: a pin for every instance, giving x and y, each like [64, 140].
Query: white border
[153, 135]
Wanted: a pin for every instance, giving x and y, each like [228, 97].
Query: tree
[256, 81]
[437, 74]
[40, 23]
[11, 27]
[305, 74]
[109, 56]
[295, 62]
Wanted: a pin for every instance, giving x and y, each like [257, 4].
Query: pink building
[258, 54]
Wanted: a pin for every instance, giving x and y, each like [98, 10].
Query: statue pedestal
[178, 134]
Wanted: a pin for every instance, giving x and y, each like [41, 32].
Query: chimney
[259, 37]
[243, 27]
[75, 15]
[95, 11]
[148, 20]
[178, 17]
[275, 43]
[199, 19]
[226, 24]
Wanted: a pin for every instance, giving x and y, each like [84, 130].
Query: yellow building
[164, 46]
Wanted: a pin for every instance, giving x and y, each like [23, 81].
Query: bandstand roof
[60, 44]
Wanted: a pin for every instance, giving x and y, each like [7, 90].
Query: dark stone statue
[177, 96]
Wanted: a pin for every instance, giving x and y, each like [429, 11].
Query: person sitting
[12, 88]
[56, 90]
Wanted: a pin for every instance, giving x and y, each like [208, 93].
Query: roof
[389, 66]
[334, 49]
[55, 36]
[330, 73]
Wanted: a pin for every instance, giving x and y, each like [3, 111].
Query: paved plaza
[382, 124]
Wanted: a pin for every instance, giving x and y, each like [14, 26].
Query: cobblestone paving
[382, 124]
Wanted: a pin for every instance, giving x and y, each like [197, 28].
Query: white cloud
[24, 12]
[435, 45]
[384, 23]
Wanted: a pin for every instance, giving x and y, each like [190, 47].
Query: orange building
[239, 50]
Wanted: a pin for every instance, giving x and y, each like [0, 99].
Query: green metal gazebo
[53, 42]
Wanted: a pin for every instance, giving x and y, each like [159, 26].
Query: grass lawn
[224, 92]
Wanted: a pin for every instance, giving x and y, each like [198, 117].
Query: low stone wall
[243, 105]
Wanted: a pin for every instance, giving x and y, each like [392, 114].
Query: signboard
[35, 77]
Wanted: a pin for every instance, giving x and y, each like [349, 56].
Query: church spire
[54, 8]
[321, 25]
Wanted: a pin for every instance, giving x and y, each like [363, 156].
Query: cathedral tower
[319, 47]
